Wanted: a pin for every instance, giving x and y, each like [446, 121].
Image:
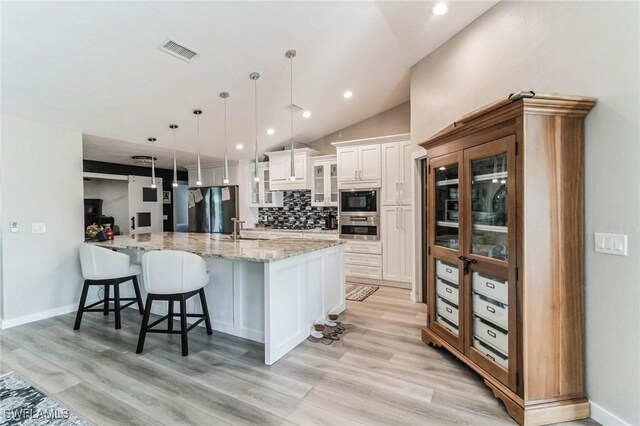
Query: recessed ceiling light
[270, 131]
[239, 146]
[442, 168]
[306, 114]
[440, 9]
[348, 94]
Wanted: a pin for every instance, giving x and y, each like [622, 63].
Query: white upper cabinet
[347, 164]
[324, 185]
[359, 166]
[396, 173]
[261, 194]
[280, 169]
[369, 157]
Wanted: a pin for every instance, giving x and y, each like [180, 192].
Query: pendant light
[153, 165]
[292, 174]
[197, 113]
[175, 167]
[225, 178]
[255, 76]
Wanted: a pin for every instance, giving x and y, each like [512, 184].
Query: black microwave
[359, 202]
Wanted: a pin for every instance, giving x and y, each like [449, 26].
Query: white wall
[581, 48]
[41, 175]
[394, 121]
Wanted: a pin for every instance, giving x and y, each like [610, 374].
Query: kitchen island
[269, 291]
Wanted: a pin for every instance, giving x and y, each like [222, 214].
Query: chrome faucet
[236, 221]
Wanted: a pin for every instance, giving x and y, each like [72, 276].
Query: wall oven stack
[360, 214]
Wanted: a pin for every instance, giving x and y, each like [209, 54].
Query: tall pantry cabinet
[504, 243]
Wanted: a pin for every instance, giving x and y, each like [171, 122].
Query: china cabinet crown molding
[534, 361]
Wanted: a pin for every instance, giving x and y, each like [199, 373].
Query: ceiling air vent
[179, 51]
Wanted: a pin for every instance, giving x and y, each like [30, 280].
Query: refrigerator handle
[133, 222]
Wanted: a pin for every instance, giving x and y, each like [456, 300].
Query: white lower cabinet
[363, 259]
[397, 240]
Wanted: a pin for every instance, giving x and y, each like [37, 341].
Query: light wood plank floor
[380, 373]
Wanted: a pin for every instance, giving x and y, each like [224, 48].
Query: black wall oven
[359, 202]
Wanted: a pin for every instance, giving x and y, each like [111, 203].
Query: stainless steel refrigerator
[212, 208]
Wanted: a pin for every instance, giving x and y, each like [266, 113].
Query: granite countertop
[306, 231]
[221, 246]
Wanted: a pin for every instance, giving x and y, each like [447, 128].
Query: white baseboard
[13, 322]
[605, 417]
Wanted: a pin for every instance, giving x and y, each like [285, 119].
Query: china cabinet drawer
[447, 291]
[446, 271]
[447, 311]
[364, 247]
[494, 312]
[492, 354]
[447, 324]
[491, 335]
[363, 259]
[363, 271]
[492, 288]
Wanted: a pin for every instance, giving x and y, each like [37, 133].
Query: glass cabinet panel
[489, 207]
[334, 183]
[446, 206]
[447, 296]
[268, 194]
[318, 184]
[255, 188]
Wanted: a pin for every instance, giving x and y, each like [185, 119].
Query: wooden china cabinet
[504, 267]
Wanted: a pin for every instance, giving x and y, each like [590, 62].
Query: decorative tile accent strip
[297, 212]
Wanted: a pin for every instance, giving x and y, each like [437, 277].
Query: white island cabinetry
[271, 292]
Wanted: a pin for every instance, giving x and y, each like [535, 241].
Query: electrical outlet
[611, 243]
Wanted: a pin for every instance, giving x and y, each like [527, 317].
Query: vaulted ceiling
[98, 67]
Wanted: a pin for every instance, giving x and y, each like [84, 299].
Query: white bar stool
[174, 276]
[102, 266]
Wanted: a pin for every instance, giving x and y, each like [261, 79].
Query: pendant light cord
[175, 167]
[291, 99]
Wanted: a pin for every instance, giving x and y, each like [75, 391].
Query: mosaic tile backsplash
[297, 212]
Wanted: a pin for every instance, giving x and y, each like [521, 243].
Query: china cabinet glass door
[488, 262]
[445, 277]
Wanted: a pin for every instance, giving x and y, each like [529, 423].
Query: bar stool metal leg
[145, 324]
[107, 285]
[170, 319]
[183, 325]
[136, 288]
[205, 311]
[83, 299]
[116, 304]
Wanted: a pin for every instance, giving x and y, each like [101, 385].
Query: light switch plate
[38, 228]
[13, 225]
[611, 243]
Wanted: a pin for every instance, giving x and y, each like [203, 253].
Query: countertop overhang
[214, 245]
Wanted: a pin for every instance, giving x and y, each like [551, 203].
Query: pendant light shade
[225, 177]
[255, 76]
[292, 174]
[197, 113]
[175, 166]
[153, 165]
